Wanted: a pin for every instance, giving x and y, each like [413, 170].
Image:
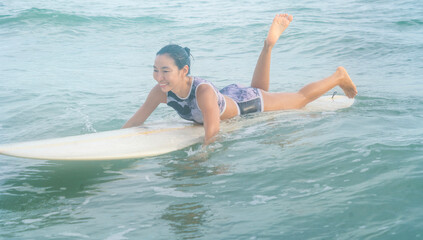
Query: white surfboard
[137, 142]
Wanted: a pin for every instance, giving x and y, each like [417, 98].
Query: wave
[411, 22]
[48, 16]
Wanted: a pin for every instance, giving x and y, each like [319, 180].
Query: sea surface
[76, 67]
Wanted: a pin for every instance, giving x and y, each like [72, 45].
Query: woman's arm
[207, 102]
[155, 97]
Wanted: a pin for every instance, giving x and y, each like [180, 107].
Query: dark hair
[180, 55]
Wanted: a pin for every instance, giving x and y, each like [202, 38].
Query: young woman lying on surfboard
[198, 100]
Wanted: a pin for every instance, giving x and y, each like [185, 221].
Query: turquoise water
[74, 67]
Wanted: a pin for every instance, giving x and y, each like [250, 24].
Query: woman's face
[167, 74]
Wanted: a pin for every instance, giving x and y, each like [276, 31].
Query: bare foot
[280, 23]
[346, 83]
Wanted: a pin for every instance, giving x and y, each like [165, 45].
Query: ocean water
[75, 67]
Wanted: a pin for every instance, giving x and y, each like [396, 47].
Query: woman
[200, 101]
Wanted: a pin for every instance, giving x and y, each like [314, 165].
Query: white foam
[72, 234]
[219, 182]
[260, 199]
[33, 220]
[88, 125]
[172, 192]
[29, 188]
[88, 200]
[120, 235]
[51, 214]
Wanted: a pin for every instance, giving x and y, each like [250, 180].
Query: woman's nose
[159, 76]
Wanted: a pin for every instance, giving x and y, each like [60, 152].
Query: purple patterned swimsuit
[248, 100]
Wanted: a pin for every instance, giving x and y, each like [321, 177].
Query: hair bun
[187, 50]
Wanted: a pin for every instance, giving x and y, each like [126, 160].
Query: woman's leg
[283, 101]
[261, 74]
